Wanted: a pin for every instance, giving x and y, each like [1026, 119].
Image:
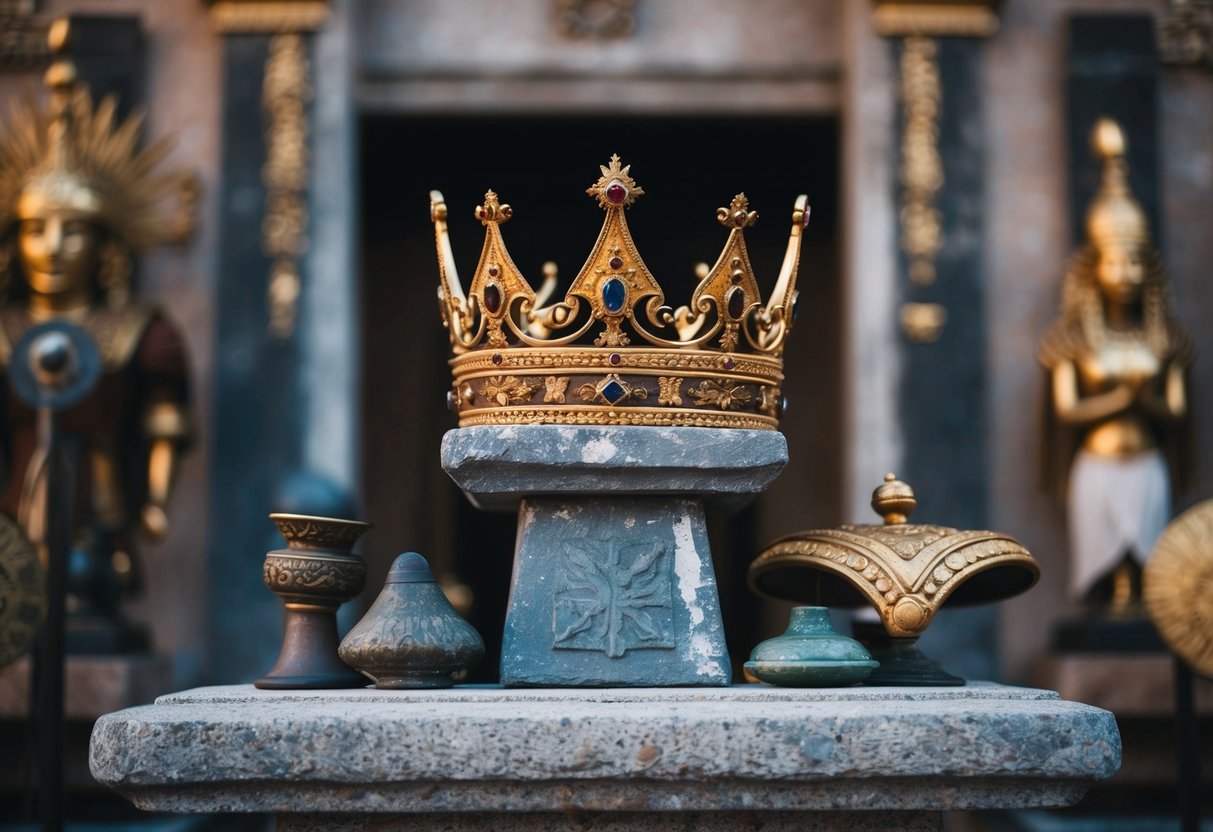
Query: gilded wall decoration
[232, 17]
[1185, 34]
[957, 18]
[921, 179]
[285, 94]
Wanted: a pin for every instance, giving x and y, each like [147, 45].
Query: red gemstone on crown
[492, 297]
[729, 364]
[493, 271]
[616, 193]
[615, 359]
[616, 263]
[496, 358]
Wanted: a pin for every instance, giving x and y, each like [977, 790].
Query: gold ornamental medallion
[1178, 587]
[22, 592]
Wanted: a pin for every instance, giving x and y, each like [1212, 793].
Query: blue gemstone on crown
[613, 391]
[614, 293]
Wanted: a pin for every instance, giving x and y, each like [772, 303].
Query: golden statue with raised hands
[78, 198]
[1117, 393]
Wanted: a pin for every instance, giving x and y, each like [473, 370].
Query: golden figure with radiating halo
[77, 198]
[1118, 402]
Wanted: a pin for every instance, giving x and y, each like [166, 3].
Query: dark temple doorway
[541, 166]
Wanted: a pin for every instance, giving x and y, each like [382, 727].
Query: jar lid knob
[893, 500]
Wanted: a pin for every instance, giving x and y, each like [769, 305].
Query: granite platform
[708, 758]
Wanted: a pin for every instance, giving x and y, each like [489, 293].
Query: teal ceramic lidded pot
[810, 654]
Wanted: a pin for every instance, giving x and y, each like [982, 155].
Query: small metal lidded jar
[412, 637]
[905, 571]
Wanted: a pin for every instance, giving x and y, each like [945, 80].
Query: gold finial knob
[893, 500]
[1107, 139]
[58, 36]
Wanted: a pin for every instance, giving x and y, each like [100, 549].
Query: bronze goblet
[314, 575]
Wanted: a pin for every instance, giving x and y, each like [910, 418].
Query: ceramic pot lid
[907, 571]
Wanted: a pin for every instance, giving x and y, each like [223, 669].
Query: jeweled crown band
[623, 387]
[716, 362]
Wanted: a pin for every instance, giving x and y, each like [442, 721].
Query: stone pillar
[941, 397]
[613, 581]
[263, 364]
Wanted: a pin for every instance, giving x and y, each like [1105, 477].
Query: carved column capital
[935, 18]
[245, 17]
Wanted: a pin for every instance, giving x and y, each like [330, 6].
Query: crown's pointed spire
[730, 285]
[498, 286]
[614, 278]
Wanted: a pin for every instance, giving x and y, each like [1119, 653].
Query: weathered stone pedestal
[743, 757]
[613, 581]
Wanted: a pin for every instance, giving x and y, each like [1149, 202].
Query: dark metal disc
[55, 365]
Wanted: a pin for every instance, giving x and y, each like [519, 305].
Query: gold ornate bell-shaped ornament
[906, 571]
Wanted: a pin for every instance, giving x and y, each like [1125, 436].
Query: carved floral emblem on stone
[613, 596]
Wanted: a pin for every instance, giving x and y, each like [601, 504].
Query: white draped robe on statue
[1115, 505]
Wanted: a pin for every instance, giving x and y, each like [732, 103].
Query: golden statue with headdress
[1117, 361]
[78, 197]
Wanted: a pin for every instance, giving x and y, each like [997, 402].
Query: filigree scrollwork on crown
[314, 578]
[507, 390]
[616, 304]
[725, 395]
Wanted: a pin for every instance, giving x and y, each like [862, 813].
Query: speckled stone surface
[738, 749]
[497, 466]
[613, 591]
[618, 822]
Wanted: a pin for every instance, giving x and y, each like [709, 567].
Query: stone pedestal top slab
[471, 749]
[498, 465]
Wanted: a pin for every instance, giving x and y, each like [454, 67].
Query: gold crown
[716, 362]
